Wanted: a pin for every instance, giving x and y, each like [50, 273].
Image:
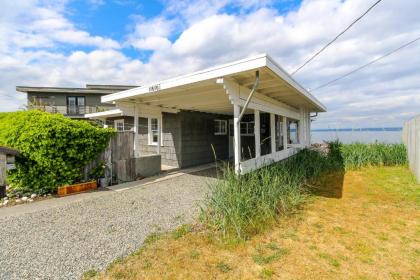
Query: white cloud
[191, 35]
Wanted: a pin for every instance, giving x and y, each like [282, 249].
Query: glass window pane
[216, 126]
[222, 127]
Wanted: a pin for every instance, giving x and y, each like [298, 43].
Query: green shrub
[239, 206]
[359, 155]
[53, 149]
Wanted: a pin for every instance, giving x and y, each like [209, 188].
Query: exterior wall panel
[198, 138]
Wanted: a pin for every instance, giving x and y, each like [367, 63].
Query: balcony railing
[71, 111]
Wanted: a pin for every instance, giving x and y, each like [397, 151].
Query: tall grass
[359, 155]
[242, 206]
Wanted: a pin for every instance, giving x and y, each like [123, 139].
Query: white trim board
[258, 162]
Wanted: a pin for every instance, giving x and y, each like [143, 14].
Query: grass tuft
[181, 231]
[223, 267]
[90, 274]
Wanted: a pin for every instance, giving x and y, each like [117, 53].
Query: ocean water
[368, 136]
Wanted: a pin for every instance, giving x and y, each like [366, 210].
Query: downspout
[254, 88]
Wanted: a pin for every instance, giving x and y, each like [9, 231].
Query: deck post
[159, 140]
[285, 132]
[257, 133]
[136, 131]
[273, 132]
[237, 138]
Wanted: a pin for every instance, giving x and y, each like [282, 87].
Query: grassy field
[361, 224]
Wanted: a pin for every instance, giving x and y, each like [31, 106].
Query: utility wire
[367, 64]
[336, 37]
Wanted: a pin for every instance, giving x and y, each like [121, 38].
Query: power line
[336, 37]
[367, 64]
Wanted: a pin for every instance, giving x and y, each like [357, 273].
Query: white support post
[257, 133]
[159, 141]
[273, 133]
[285, 132]
[302, 127]
[237, 138]
[308, 129]
[136, 131]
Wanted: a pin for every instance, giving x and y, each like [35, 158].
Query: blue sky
[74, 42]
[115, 18]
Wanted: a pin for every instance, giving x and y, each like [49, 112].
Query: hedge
[53, 149]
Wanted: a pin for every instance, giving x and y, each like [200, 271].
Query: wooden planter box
[76, 188]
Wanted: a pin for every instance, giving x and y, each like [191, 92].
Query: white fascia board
[285, 76]
[207, 74]
[104, 114]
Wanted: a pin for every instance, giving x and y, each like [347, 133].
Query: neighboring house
[193, 119]
[71, 102]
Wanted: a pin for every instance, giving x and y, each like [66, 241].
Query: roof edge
[254, 62]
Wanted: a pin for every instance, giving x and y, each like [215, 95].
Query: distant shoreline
[358, 129]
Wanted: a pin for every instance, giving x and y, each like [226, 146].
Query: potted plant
[98, 174]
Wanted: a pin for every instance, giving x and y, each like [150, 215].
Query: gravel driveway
[63, 242]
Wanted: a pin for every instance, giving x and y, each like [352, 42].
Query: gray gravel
[64, 242]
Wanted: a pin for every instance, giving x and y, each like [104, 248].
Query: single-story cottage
[249, 111]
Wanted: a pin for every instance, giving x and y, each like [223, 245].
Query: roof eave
[259, 61]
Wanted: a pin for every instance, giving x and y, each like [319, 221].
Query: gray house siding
[198, 138]
[187, 138]
[61, 99]
[171, 138]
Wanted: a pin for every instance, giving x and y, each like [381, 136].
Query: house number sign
[154, 88]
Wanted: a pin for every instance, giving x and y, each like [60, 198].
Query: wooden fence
[411, 139]
[120, 147]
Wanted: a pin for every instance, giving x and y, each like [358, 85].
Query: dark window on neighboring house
[76, 105]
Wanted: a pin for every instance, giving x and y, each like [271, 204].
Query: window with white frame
[153, 131]
[220, 127]
[247, 128]
[119, 125]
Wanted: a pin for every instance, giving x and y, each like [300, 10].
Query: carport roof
[274, 83]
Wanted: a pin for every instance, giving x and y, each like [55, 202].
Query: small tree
[53, 149]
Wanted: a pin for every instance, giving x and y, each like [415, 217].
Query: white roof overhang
[199, 91]
[105, 114]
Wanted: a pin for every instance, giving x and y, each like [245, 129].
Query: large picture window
[220, 127]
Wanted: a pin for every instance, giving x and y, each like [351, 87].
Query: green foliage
[98, 171]
[359, 155]
[239, 206]
[181, 231]
[53, 148]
